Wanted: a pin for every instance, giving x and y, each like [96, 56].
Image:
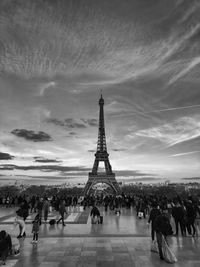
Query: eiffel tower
[107, 177]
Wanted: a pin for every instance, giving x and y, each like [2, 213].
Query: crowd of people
[158, 210]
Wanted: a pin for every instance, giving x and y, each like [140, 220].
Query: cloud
[142, 179]
[32, 135]
[72, 133]
[90, 122]
[184, 154]
[55, 121]
[43, 87]
[131, 173]
[44, 160]
[191, 178]
[46, 168]
[6, 167]
[175, 108]
[119, 149]
[180, 130]
[5, 156]
[192, 64]
[73, 123]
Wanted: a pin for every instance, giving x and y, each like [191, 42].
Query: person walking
[19, 220]
[62, 211]
[163, 228]
[152, 216]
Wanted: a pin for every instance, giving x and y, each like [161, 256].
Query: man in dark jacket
[5, 245]
[191, 215]
[178, 214]
[153, 214]
[162, 228]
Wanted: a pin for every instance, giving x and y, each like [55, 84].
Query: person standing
[46, 209]
[35, 229]
[62, 211]
[39, 208]
[178, 214]
[32, 203]
[191, 215]
[25, 209]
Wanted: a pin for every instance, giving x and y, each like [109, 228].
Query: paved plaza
[120, 241]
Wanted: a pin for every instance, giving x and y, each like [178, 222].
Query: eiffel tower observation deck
[107, 177]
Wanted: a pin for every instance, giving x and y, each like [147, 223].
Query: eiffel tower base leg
[102, 178]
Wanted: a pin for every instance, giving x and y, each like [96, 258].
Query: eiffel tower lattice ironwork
[107, 177]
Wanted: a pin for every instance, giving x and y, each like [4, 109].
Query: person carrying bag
[163, 229]
[95, 215]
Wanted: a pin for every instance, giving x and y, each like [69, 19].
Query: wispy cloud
[175, 108]
[73, 123]
[43, 87]
[192, 64]
[184, 154]
[181, 130]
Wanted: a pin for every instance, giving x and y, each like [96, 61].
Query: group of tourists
[159, 210]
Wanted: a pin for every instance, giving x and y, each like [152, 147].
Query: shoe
[16, 253]
[162, 258]
[24, 234]
[33, 241]
[64, 224]
[19, 236]
[36, 241]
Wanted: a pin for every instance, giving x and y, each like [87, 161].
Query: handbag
[168, 254]
[154, 246]
[94, 220]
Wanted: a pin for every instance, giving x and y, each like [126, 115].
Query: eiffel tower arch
[101, 155]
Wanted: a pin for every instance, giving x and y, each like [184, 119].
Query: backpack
[166, 228]
[52, 221]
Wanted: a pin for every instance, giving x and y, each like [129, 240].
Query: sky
[56, 57]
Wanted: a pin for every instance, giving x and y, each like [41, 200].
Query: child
[35, 229]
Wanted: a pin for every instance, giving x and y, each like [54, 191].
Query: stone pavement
[127, 243]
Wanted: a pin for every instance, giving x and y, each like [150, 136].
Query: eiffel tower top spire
[101, 145]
